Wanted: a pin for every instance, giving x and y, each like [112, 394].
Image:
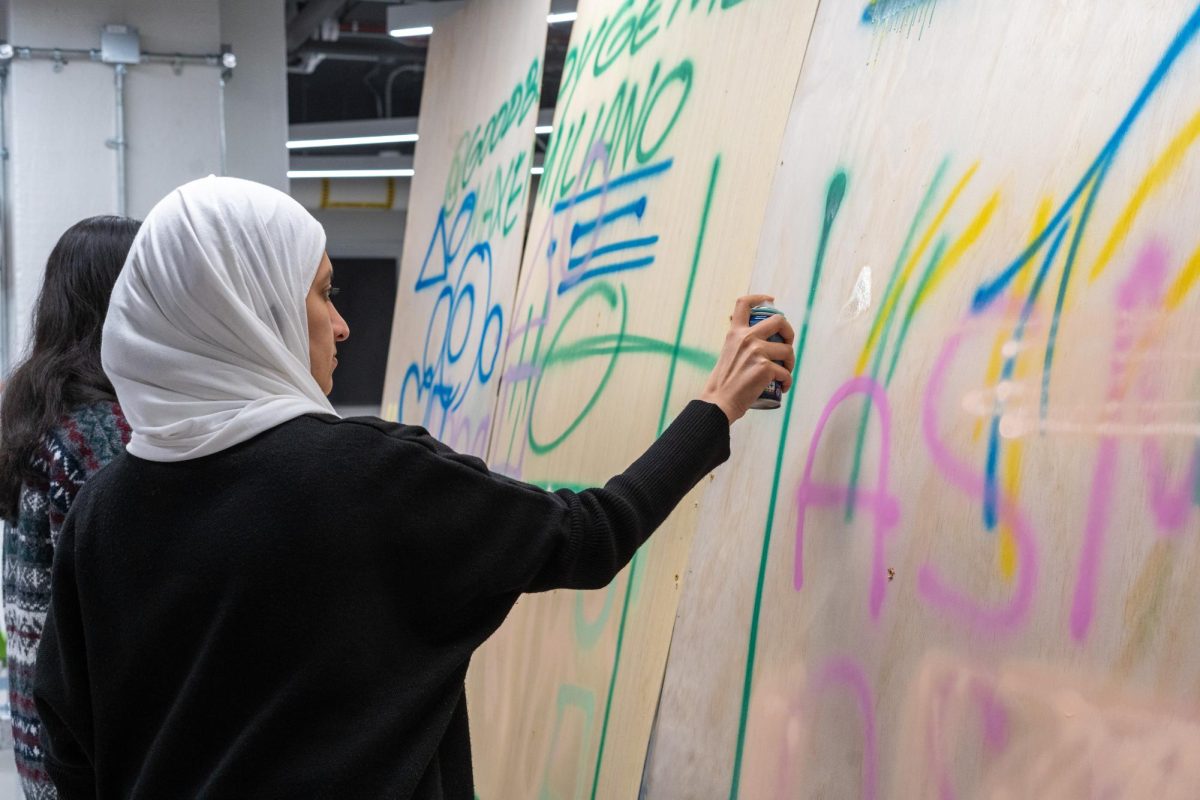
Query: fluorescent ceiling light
[426, 30]
[537, 170]
[350, 173]
[350, 141]
[421, 30]
[543, 129]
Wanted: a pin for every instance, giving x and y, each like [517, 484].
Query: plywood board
[466, 219]
[667, 125]
[963, 560]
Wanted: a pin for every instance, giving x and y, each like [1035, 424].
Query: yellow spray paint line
[1020, 286]
[1167, 163]
[1184, 282]
[890, 301]
[1187, 280]
[957, 250]
[1006, 541]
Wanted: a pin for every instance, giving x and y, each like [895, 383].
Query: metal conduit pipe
[118, 142]
[58, 54]
[221, 123]
[198, 59]
[61, 56]
[225, 60]
[362, 50]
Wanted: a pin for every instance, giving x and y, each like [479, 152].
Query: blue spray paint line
[988, 292]
[615, 183]
[573, 280]
[1092, 182]
[990, 491]
[615, 247]
[449, 252]
[636, 209]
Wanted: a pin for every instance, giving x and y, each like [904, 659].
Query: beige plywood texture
[666, 130]
[466, 219]
[963, 560]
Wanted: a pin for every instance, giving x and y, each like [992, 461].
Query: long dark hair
[63, 368]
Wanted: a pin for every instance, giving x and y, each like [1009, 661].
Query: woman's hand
[747, 361]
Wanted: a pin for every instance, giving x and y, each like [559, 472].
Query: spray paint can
[773, 394]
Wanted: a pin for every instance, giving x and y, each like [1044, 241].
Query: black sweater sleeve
[494, 537]
[61, 686]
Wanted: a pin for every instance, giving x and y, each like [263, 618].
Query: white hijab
[206, 339]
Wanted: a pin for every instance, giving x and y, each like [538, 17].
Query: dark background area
[366, 294]
[352, 80]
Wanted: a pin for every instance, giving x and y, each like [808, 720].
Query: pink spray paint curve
[1172, 507]
[956, 604]
[884, 508]
[995, 728]
[846, 672]
[995, 716]
[1142, 287]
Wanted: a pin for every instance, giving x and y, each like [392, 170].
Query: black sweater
[294, 616]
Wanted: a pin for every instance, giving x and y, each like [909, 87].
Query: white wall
[60, 169]
[256, 96]
[355, 233]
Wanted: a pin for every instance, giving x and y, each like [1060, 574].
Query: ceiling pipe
[370, 50]
[308, 20]
[391, 79]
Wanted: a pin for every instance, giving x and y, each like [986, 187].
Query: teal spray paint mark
[632, 344]
[881, 344]
[834, 196]
[878, 11]
[584, 700]
[935, 259]
[1052, 339]
[899, 15]
[662, 424]
[614, 299]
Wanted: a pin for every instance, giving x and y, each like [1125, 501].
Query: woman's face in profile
[325, 326]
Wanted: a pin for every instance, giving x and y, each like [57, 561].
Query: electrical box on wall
[119, 44]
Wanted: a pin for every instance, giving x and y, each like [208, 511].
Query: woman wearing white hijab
[260, 599]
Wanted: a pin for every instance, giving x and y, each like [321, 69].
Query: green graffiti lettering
[605, 292]
[566, 179]
[587, 632]
[681, 74]
[648, 15]
[612, 49]
[517, 184]
[533, 88]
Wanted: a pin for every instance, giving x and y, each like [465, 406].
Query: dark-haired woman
[60, 423]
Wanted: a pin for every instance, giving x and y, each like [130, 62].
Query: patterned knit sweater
[83, 442]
